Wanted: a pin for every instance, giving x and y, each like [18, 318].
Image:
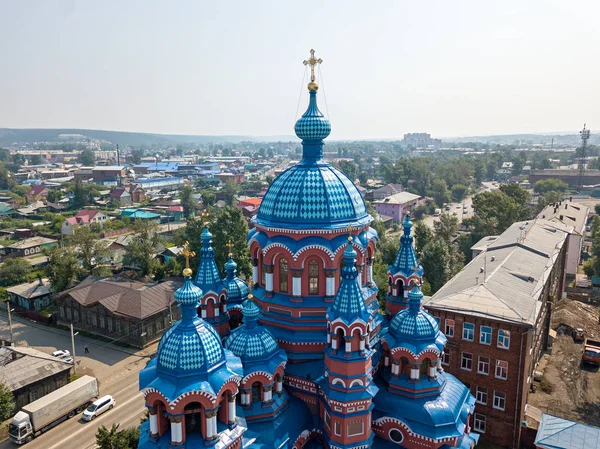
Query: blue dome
[312, 126]
[311, 195]
[414, 323]
[252, 342]
[237, 289]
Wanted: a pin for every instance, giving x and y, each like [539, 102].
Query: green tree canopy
[459, 191]
[423, 235]
[63, 268]
[86, 157]
[117, 439]
[435, 260]
[7, 402]
[15, 271]
[547, 185]
[440, 192]
[230, 190]
[141, 251]
[186, 195]
[446, 227]
[91, 251]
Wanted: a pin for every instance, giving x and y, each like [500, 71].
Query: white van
[98, 407]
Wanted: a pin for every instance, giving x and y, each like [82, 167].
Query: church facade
[305, 359]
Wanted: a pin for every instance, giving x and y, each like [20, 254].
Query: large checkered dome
[312, 195]
[190, 347]
[312, 126]
[414, 323]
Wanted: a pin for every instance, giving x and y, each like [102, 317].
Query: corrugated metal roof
[558, 433]
[506, 280]
[29, 367]
[31, 289]
[568, 213]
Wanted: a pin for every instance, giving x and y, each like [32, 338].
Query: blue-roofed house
[558, 433]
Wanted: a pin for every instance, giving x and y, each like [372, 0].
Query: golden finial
[205, 216]
[250, 295]
[349, 229]
[229, 245]
[312, 86]
[187, 253]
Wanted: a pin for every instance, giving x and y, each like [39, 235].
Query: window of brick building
[483, 365]
[499, 400]
[479, 423]
[503, 339]
[468, 331]
[313, 277]
[466, 362]
[485, 335]
[327, 419]
[283, 276]
[481, 395]
[355, 428]
[337, 428]
[449, 328]
[446, 358]
[501, 369]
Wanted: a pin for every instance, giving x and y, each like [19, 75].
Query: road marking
[86, 428]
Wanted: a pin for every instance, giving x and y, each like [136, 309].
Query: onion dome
[237, 289]
[191, 346]
[349, 304]
[414, 323]
[208, 277]
[252, 342]
[312, 126]
[406, 259]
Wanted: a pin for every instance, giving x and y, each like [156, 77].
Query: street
[117, 371]
[457, 209]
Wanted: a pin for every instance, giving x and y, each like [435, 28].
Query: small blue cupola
[406, 259]
[349, 303]
[208, 277]
[237, 289]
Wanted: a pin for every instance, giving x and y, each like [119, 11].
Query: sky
[450, 68]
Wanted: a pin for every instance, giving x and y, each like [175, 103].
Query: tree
[91, 251]
[63, 268]
[597, 209]
[55, 195]
[136, 156]
[349, 168]
[141, 251]
[546, 185]
[478, 171]
[459, 192]
[363, 178]
[35, 159]
[208, 198]
[230, 190]
[446, 227]
[434, 260]
[423, 234]
[86, 157]
[15, 271]
[117, 439]
[549, 197]
[495, 210]
[81, 195]
[440, 192]
[6, 180]
[227, 223]
[7, 402]
[20, 190]
[186, 195]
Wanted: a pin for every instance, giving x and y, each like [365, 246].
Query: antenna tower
[585, 135]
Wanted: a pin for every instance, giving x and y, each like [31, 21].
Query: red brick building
[496, 314]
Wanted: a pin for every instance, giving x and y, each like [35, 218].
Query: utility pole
[585, 135]
[12, 341]
[73, 349]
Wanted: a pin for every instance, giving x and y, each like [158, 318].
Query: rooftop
[506, 280]
[31, 289]
[558, 433]
[568, 213]
[399, 198]
[31, 242]
[20, 367]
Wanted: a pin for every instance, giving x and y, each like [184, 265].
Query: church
[303, 357]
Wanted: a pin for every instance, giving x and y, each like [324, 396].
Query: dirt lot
[574, 388]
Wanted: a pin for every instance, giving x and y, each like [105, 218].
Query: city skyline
[208, 69]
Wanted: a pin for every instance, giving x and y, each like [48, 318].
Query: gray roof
[569, 213]
[558, 433]
[31, 242]
[482, 244]
[399, 198]
[506, 280]
[31, 289]
[29, 367]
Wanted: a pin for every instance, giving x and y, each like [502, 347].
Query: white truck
[55, 407]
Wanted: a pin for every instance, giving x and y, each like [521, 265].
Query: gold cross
[312, 62]
[205, 216]
[349, 229]
[229, 245]
[187, 253]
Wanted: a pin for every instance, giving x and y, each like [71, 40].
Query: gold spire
[229, 245]
[312, 61]
[349, 229]
[250, 295]
[187, 253]
[205, 216]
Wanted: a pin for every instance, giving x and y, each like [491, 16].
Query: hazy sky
[235, 67]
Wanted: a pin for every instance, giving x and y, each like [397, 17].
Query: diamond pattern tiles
[312, 128]
[410, 326]
[312, 195]
[253, 344]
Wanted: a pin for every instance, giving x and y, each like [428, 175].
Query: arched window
[424, 368]
[404, 366]
[263, 272]
[400, 288]
[283, 276]
[193, 418]
[256, 392]
[313, 277]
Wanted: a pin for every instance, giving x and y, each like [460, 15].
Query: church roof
[406, 259]
[237, 289]
[312, 193]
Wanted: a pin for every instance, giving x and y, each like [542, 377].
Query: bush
[588, 267]
[546, 386]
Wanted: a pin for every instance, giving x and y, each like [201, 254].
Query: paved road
[457, 209]
[116, 369]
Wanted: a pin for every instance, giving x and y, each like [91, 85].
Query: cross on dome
[187, 253]
[312, 61]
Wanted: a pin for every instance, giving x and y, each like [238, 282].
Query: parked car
[591, 352]
[68, 359]
[578, 335]
[98, 407]
[60, 353]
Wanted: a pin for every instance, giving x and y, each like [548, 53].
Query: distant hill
[10, 136]
[566, 138]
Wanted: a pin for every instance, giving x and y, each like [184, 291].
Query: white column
[176, 433]
[370, 272]
[231, 410]
[216, 310]
[432, 371]
[254, 275]
[153, 423]
[330, 286]
[348, 344]
[211, 426]
[245, 398]
[414, 373]
[269, 280]
[203, 312]
[394, 291]
[296, 286]
[386, 361]
[279, 386]
[395, 369]
[405, 292]
[362, 344]
[334, 344]
[439, 364]
[360, 282]
[328, 337]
